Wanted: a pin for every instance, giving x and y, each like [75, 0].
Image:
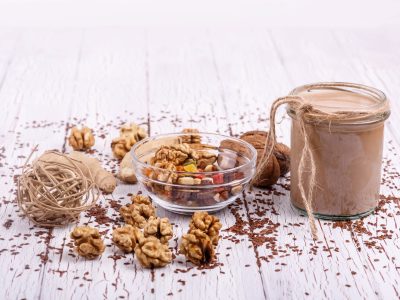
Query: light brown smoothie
[348, 157]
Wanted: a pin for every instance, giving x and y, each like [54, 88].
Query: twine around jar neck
[305, 113]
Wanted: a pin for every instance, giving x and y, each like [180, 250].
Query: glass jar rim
[381, 105]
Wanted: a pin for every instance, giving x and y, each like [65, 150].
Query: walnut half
[209, 224]
[88, 242]
[137, 214]
[197, 247]
[160, 228]
[175, 154]
[150, 252]
[126, 237]
[81, 139]
[141, 199]
[121, 146]
[130, 134]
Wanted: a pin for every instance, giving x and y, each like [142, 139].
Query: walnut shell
[271, 172]
[256, 138]
[282, 154]
[150, 252]
[88, 242]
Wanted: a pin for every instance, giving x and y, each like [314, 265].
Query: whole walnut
[137, 214]
[81, 139]
[279, 162]
[282, 154]
[88, 242]
[197, 247]
[271, 171]
[160, 228]
[151, 253]
[126, 237]
[209, 224]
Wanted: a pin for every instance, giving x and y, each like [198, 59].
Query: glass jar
[347, 154]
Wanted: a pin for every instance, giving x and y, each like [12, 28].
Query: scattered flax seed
[99, 214]
[8, 223]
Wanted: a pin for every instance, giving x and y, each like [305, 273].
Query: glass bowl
[181, 191]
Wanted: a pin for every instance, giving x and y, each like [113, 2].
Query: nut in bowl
[207, 173]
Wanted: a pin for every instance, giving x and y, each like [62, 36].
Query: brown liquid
[348, 157]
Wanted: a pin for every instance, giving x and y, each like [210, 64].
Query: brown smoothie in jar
[348, 157]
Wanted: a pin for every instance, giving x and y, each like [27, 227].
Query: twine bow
[307, 113]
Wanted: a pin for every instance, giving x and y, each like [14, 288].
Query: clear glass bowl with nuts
[189, 172]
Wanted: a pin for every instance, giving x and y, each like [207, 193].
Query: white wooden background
[219, 80]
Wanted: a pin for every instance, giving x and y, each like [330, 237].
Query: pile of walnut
[150, 245]
[148, 236]
[181, 157]
[198, 245]
[279, 162]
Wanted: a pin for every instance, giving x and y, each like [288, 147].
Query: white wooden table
[218, 80]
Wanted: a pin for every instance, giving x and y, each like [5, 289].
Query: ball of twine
[53, 194]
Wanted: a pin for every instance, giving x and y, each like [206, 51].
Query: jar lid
[342, 97]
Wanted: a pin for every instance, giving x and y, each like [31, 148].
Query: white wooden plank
[112, 93]
[186, 87]
[35, 76]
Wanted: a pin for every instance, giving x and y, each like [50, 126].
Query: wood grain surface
[219, 80]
